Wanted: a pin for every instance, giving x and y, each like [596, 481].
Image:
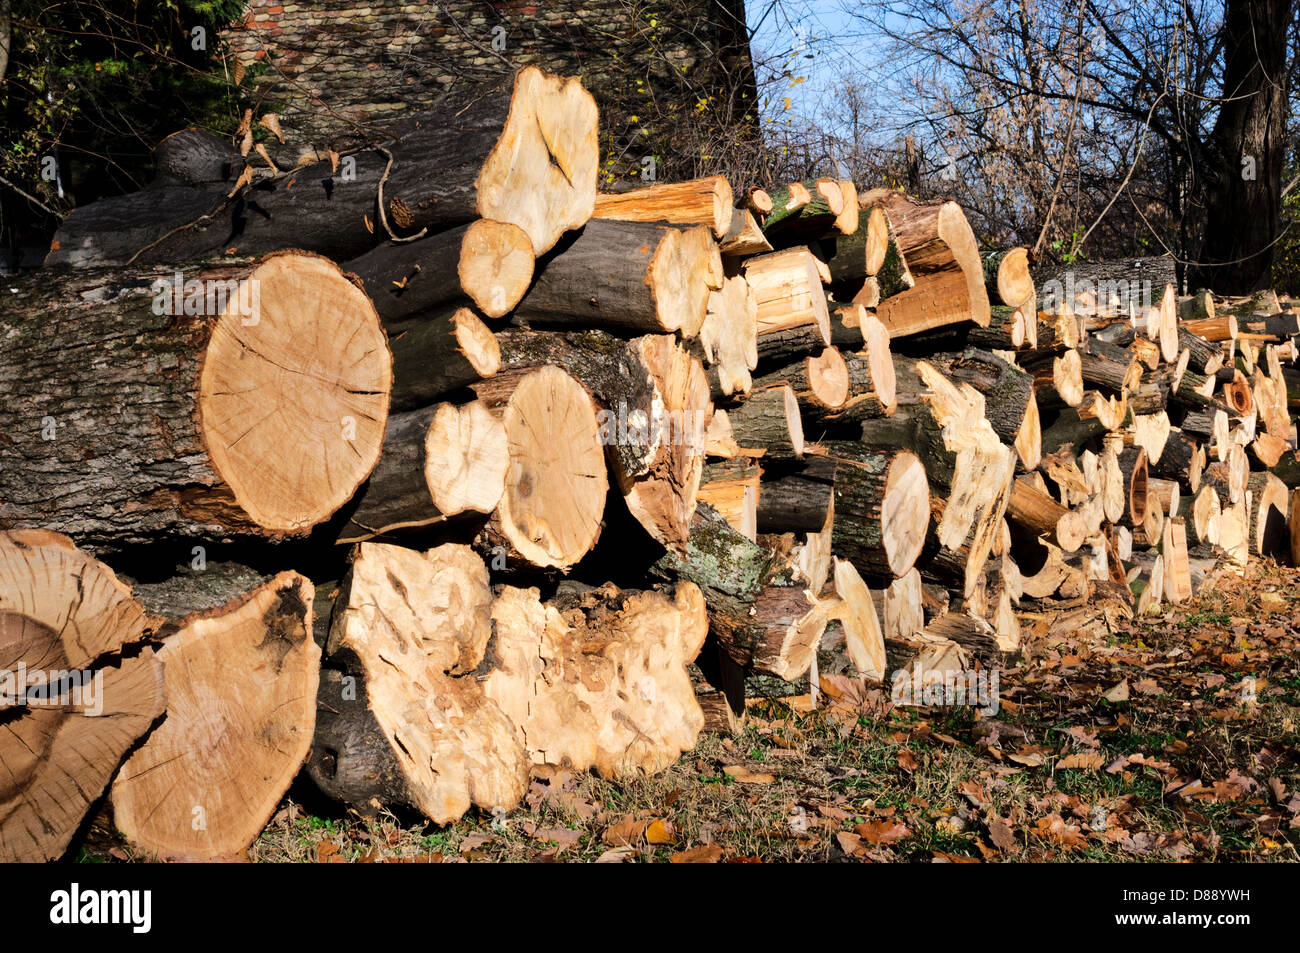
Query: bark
[1243, 214]
[485, 152]
[125, 425]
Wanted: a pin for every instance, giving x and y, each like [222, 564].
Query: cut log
[1269, 502]
[76, 692]
[1203, 356]
[1036, 511]
[641, 277]
[654, 412]
[1007, 278]
[550, 512]
[598, 680]
[241, 682]
[1008, 399]
[416, 626]
[1162, 326]
[1201, 516]
[707, 201]
[797, 501]
[860, 254]
[437, 354]
[1178, 577]
[257, 408]
[943, 258]
[489, 262]
[820, 382]
[974, 497]
[769, 420]
[1108, 366]
[903, 617]
[438, 462]
[732, 488]
[1219, 328]
[1007, 330]
[857, 614]
[1179, 459]
[758, 201]
[522, 151]
[799, 220]
[744, 237]
[759, 610]
[882, 503]
[1133, 469]
[1058, 380]
[1058, 329]
[788, 292]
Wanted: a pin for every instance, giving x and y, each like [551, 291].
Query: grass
[1183, 769]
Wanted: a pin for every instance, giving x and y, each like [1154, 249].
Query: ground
[1172, 738]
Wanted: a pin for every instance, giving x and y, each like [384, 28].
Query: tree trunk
[522, 151]
[1248, 150]
[126, 423]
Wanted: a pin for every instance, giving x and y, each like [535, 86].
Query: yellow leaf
[659, 832]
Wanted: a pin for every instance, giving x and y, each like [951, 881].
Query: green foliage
[96, 86]
[1286, 254]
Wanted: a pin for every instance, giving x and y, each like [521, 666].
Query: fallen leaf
[561, 835]
[882, 832]
[1119, 693]
[743, 775]
[703, 854]
[1083, 761]
[616, 855]
[627, 831]
[659, 832]
[1000, 832]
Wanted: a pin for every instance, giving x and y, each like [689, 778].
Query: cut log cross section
[241, 685]
[260, 416]
[62, 616]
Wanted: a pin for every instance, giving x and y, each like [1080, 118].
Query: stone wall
[334, 67]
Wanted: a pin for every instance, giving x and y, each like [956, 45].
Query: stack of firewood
[468, 464]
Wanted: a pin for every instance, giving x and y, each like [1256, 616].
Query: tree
[1247, 150]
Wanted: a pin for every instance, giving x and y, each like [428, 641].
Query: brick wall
[329, 66]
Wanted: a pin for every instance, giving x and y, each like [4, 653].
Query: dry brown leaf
[271, 122]
[616, 855]
[1119, 693]
[742, 774]
[882, 831]
[627, 831]
[1084, 761]
[1000, 832]
[703, 854]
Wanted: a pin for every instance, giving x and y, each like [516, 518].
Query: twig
[31, 198]
[383, 219]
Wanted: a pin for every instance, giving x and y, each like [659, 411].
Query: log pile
[529, 452]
